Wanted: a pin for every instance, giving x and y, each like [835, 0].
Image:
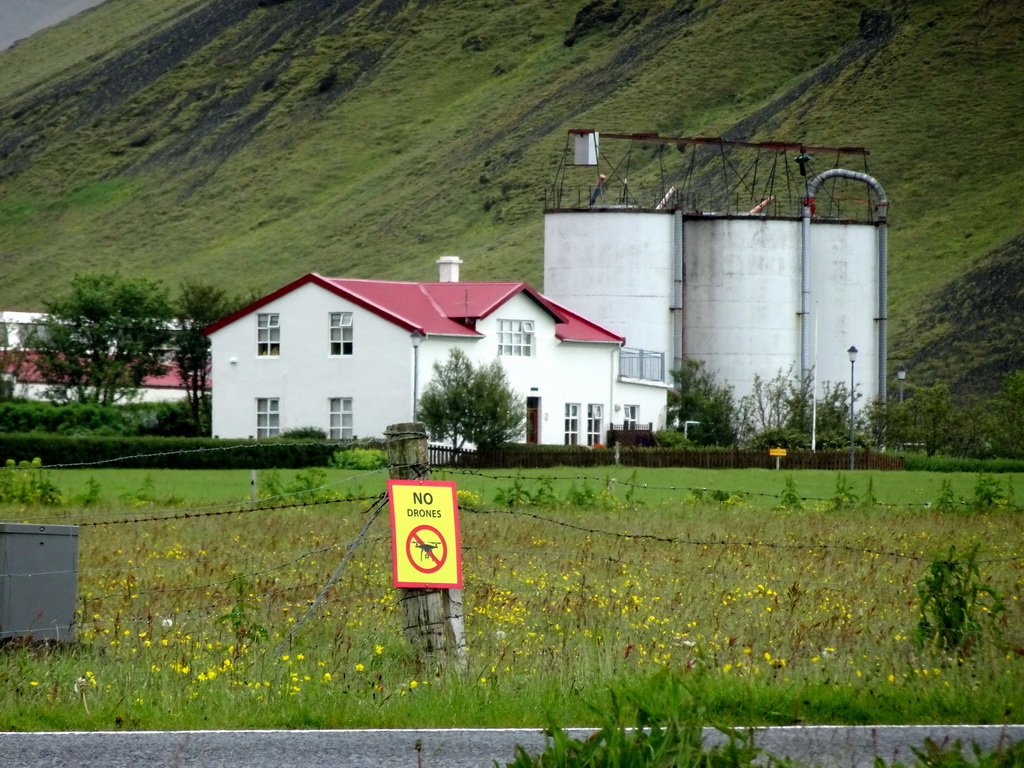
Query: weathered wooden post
[434, 623]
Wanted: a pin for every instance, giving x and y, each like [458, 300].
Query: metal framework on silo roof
[647, 171]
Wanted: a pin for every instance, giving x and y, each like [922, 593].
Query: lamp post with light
[417, 338]
[852, 352]
[901, 374]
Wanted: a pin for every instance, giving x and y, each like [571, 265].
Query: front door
[533, 420]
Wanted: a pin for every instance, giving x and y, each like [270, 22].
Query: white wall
[844, 304]
[614, 268]
[742, 298]
[305, 376]
[379, 375]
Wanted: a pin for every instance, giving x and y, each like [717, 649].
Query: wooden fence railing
[574, 456]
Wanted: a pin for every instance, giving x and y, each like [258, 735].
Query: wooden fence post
[434, 623]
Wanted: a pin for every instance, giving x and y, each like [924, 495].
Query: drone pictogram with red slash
[426, 549]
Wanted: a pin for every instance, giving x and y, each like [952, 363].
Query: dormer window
[515, 338]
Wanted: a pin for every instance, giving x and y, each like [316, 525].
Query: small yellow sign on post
[425, 544]
[778, 453]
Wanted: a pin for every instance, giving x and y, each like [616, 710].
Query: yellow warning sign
[425, 544]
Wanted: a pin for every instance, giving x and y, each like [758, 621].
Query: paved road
[833, 746]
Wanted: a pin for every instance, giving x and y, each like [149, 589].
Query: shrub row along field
[790, 612]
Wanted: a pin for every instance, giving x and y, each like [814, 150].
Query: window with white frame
[630, 416]
[268, 417]
[515, 338]
[341, 418]
[268, 334]
[341, 333]
[595, 414]
[572, 423]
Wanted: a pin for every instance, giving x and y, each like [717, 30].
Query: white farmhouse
[352, 356]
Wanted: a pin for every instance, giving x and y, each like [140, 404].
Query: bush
[360, 458]
[304, 433]
[25, 482]
[672, 438]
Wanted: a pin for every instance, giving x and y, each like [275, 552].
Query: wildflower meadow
[200, 609]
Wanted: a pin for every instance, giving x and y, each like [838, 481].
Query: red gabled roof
[447, 309]
[578, 328]
[28, 373]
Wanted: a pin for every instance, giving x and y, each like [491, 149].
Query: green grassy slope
[251, 142]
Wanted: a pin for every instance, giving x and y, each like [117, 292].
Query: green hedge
[167, 419]
[922, 463]
[166, 452]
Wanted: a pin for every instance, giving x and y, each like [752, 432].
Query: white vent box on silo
[585, 147]
[38, 580]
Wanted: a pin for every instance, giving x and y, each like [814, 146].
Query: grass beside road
[764, 615]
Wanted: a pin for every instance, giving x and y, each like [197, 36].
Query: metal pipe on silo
[805, 279]
[677, 291]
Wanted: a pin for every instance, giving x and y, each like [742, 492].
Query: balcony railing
[642, 364]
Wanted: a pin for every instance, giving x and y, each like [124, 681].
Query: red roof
[445, 309]
[29, 374]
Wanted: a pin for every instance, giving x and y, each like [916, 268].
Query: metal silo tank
[844, 305]
[615, 268]
[741, 297]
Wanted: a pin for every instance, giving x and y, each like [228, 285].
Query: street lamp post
[852, 352]
[901, 374]
[416, 337]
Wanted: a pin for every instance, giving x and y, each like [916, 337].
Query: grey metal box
[38, 580]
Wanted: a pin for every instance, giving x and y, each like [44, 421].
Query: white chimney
[449, 268]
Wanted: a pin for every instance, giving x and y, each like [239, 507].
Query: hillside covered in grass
[246, 142]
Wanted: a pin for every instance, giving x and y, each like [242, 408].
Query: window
[341, 418]
[594, 413]
[268, 417]
[515, 338]
[630, 416]
[268, 335]
[572, 423]
[341, 333]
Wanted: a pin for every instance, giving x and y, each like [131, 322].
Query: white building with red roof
[350, 356]
[18, 366]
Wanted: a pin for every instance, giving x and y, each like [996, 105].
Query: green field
[765, 615]
[755, 487]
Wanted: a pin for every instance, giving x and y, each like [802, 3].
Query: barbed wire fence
[205, 600]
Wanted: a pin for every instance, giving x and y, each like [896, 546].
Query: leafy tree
[832, 419]
[198, 306]
[767, 407]
[104, 338]
[466, 403]
[697, 396]
[1008, 424]
[933, 419]
[782, 412]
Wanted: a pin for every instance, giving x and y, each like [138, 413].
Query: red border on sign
[426, 550]
[454, 548]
